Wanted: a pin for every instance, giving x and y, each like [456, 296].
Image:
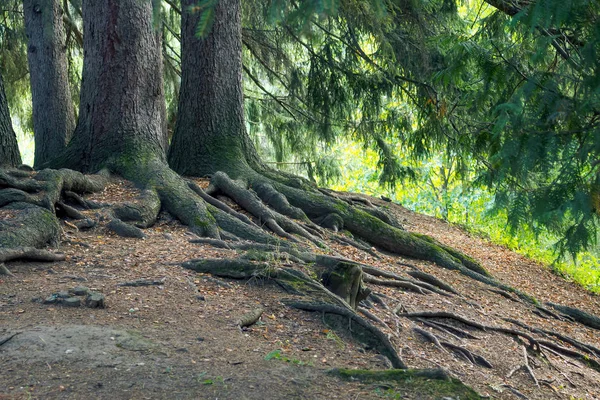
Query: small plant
[276, 355]
[332, 336]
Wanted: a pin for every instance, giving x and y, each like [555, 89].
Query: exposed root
[71, 212]
[142, 213]
[25, 253]
[86, 204]
[526, 367]
[273, 198]
[6, 339]
[587, 348]
[468, 355]
[578, 315]
[467, 261]
[430, 337]
[29, 253]
[125, 230]
[295, 251]
[373, 317]
[448, 329]
[5, 271]
[533, 343]
[235, 268]
[424, 288]
[515, 391]
[394, 283]
[350, 242]
[401, 375]
[361, 330]
[473, 358]
[590, 362]
[219, 204]
[432, 280]
[379, 300]
[248, 200]
[321, 298]
[30, 200]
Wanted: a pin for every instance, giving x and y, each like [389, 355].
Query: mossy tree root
[578, 315]
[182, 201]
[143, 212]
[533, 343]
[249, 200]
[27, 225]
[311, 295]
[433, 280]
[30, 201]
[461, 351]
[585, 347]
[336, 214]
[25, 253]
[346, 319]
[219, 204]
[29, 253]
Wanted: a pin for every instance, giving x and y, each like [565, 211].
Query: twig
[143, 282]
[6, 339]
[515, 392]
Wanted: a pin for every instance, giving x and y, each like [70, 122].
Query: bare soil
[179, 339]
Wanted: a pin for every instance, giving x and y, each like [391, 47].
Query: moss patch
[412, 383]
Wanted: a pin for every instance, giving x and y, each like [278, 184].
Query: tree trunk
[122, 106]
[53, 114]
[210, 134]
[9, 150]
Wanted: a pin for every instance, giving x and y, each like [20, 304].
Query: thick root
[29, 253]
[142, 213]
[249, 201]
[361, 330]
[311, 295]
[27, 225]
[578, 315]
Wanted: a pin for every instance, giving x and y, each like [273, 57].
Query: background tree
[9, 149]
[53, 113]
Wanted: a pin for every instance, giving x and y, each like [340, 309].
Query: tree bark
[122, 107]
[9, 149]
[53, 114]
[210, 134]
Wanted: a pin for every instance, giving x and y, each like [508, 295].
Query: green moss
[423, 384]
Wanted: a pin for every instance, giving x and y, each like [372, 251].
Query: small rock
[71, 302]
[200, 297]
[50, 299]
[63, 295]
[79, 291]
[95, 300]
[168, 236]
[382, 361]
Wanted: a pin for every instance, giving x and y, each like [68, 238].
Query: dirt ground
[179, 339]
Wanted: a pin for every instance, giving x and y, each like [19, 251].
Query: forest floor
[178, 338]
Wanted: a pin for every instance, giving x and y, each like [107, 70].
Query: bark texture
[211, 113]
[9, 150]
[122, 108]
[53, 114]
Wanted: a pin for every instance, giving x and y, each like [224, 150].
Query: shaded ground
[179, 339]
